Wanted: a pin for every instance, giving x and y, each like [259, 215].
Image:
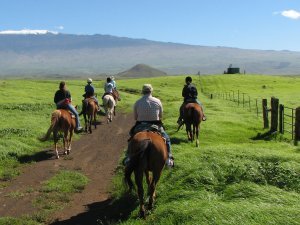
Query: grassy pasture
[229, 179]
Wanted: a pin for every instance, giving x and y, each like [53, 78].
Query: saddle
[144, 126]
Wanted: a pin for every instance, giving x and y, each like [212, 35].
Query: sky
[247, 24]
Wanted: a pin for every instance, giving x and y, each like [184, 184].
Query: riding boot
[170, 160]
[180, 118]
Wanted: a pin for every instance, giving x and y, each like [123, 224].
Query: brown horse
[61, 120]
[147, 152]
[89, 111]
[117, 98]
[192, 117]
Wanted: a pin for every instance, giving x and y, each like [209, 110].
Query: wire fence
[282, 116]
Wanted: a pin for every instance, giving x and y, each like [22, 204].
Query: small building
[232, 70]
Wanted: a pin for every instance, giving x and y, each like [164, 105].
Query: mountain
[142, 70]
[55, 54]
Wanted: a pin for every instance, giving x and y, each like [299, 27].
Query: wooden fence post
[281, 119]
[274, 114]
[256, 105]
[297, 126]
[265, 113]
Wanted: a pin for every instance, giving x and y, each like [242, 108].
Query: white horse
[109, 106]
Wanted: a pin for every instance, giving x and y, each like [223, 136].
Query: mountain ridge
[83, 55]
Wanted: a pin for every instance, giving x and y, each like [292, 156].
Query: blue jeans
[168, 142]
[75, 113]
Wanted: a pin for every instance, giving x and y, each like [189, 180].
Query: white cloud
[27, 31]
[292, 14]
[60, 27]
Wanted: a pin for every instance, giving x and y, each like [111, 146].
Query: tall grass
[231, 178]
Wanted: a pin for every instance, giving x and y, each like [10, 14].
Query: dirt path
[96, 156]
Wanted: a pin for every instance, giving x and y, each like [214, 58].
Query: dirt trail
[96, 156]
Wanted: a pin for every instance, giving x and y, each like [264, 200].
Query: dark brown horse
[148, 153]
[192, 117]
[61, 120]
[89, 111]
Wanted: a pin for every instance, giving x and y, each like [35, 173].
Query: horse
[89, 111]
[117, 98]
[61, 120]
[148, 153]
[109, 106]
[192, 117]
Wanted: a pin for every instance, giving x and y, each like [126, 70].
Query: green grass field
[230, 179]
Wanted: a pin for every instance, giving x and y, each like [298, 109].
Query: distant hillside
[142, 70]
[58, 55]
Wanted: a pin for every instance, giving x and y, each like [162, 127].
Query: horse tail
[144, 148]
[54, 120]
[191, 112]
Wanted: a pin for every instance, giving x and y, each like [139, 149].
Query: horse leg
[66, 143]
[70, 141]
[90, 123]
[85, 122]
[95, 121]
[197, 136]
[188, 131]
[148, 180]
[55, 137]
[111, 114]
[114, 110]
[138, 174]
[156, 176]
[194, 131]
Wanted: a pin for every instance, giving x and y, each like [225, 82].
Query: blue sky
[251, 24]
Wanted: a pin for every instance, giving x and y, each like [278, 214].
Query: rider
[115, 91]
[63, 99]
[148, 111]
[113, 82]
[90, 92]
[189, 93]
[108, 87]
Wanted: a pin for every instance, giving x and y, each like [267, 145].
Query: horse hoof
[68, 152]
[57, 157]
[142, 215]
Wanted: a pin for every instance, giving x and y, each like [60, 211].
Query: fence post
[249, 103]
[274, 114]
[297, 126]
[256, 107]
[265, 113]
[211, 96]
[281, 118]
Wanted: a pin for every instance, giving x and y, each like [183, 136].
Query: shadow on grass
[267, 136]
[37, 157]
[109, 211]
[177, 141]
